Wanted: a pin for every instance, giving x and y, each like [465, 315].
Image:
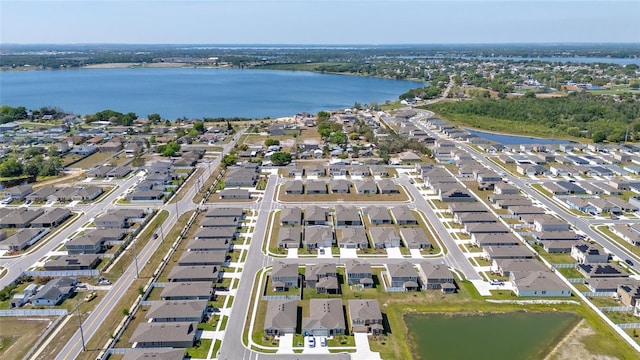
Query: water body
[515, 140]
[513, 336]
[194, 92]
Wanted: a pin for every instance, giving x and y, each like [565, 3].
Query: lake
[513, 336]
[194, 92]
[515, 139]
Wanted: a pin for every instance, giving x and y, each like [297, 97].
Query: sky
[318, 21]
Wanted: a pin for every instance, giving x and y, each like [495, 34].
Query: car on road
[629, 262]
[155, 236]
[312, 342]
[90, 296]
[411, 181]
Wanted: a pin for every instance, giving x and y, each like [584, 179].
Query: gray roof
[315, 213]
[281, 269]
[281, 314]
[368, 309]
[353, 236]
[289, 235]
[194, 273]
[378, 213]
[357, 267]
[436, 271]
[402, 213]
[317, 233]
[414, 236]
[401, 270]
[173, 309]
[291, 215]
[538, 281]
[158, 332]
[325, 313]
[347, 213]
[224, 212]
[186, 289]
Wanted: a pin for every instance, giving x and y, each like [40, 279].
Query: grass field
[98, 158]
[17, 335]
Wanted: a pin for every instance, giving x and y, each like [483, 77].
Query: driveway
[363, 351]
[415, 253]
[349, 253]
[286, 344]
[292, 253]
[394, 253]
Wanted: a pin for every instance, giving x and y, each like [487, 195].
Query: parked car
[312, 342]
[90, 296]
[323, 342]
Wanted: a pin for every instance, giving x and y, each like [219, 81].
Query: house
[295, 171]
[558, 246]
[433, 276]
[505, 189]
[203, 257]
[92, 241]
[415, 238]
[378, 215]
[291, 216]
[281, 317]
[241, 177]
[629, 294]
[55, 291]
[87, 193]
[489, 239]
[210, 273]
[315, 215]
[235, 213]
[402, 215]
[18, 193]
[384, 237]
[365, 316]
[284, 276]
[51, 218]
[172, 335]
[326, 318]
[209, 244]
[402, 275]
[468, 218]
[289, 238]
[294, 187]
[20, 218]
[21, 239]
[235, 194]
[352, 238]
[626, 233]
[504, 267]
[358, 273]
[316, 187]
[323, 278]
[602, 270]
[177, 311]
[386, 186]
[199, 290]
[121, 218]
[550, 223]
[454, 194]
[365, 187]
[72, 262]
[318, 236]
[586, 253]
[347, 216]
[538, 283]
[485, 228]
[339, 186]
[506, 252]
[220, 222]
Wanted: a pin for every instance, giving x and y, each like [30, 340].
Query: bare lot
[17, 335]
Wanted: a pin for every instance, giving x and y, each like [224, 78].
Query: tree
[530, 94]
[11, 167]
[180, 132]
[199, 127]
[228, 160]
[323, 116]
[31, 152]
[280, 158]
[152, 140]
[599, 136]
[354, 136]
[32, 167]
[193, 133]
[338, 137]
[154, 118]
[271, 142]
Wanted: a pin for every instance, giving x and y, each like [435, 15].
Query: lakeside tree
[154, 118]
[168, 150]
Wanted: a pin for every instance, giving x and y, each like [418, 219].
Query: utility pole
[80, 325]
[135, 258]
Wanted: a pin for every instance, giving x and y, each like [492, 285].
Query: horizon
[318, 22]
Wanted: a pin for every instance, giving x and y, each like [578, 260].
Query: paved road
[109, 300]
[15, 265]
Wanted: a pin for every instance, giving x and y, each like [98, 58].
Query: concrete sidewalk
[363, 351]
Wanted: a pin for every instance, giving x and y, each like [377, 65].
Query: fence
[576, 280]
[617, 308]
[34, 312]
[59, 273]
[629, 326]
[563, 266]
[600, 293]
[280, 297]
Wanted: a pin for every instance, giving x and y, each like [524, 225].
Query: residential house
[177, 311]
[210, 273]
[284, 276]
[18, 193]
[241, 177]
[323, 278]
[365, 187]
[55, 291]
[415, 238]
[20, 218]
[291, 216]
[235, 194]
[316, 187]
[434, 276]
[504, 267]
[603, 270]
[339, 186]
[21, 239]
[289, 237]
[352, 238]
[200, 258]
[402, 275]
[402, 215]
[386, 186]
[174, 335]
[378, 215]
[586, 253]
[315, 215]
[294, 187]
[384, 237]
[51, 218]
[281, 317]
[365, 316]
[629, 294]
[359, 273]
[199, 290]
[72, 262]
[538, 283]
[326, 318]
[506, 252]
[318, 236]
[347, 216]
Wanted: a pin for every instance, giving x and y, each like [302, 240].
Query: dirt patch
[17, 335]
[573, 345]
